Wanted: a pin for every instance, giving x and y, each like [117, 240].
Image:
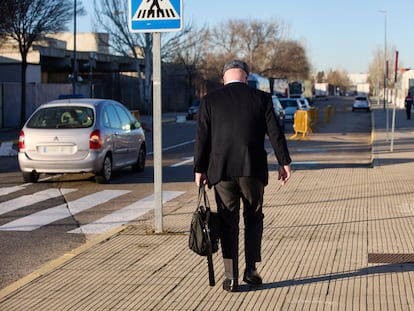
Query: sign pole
[395, 101]
[155, 17]
[156, 76]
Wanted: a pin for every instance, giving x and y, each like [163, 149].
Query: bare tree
[111, 16]
[376, 74]
[7, 9]
[339, 79]
[26, 21]
[189, 52]
[264, 45]
[290, 61]
[320, 77]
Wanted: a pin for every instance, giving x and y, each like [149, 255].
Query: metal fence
[36, 94]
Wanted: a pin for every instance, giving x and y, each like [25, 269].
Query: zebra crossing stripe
[26, 200]
[8, 190]
[42, 218]
[124, 215]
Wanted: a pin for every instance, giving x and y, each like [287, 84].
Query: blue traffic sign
[155, 15]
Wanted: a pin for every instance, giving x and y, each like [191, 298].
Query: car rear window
[361, 98]
[62, 117]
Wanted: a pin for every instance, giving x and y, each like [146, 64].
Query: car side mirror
[135, 125]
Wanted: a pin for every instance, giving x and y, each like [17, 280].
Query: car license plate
[56, 149]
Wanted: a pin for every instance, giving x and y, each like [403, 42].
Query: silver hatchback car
[361, 102]
[81, 136]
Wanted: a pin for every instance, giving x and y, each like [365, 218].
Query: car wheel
[104, 176]
[139, 166]
[30, 177]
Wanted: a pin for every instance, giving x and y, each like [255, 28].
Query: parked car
[290, 105]
[81, 136]
[277, 106]
[192, 113]
[361, 102]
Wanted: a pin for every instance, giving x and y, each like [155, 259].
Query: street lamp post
[75, 61]
[385, 56]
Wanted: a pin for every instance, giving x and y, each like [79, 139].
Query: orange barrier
[314, 118]
[327, 114]
[301, 123]
[344, 107]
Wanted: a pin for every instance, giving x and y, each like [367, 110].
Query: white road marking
[174, 146]
[305, 163]
[47, 216]
[124, 215]
[187, 160]
[30, 199]
[8, 190]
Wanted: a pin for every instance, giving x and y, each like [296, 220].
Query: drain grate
[390, 258]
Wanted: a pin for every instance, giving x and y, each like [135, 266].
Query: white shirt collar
[233, 81]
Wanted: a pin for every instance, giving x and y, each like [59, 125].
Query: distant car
[290, 105]
[192, 113]
[361, 103]
[305, 103]
[81, 136]
[277, 106]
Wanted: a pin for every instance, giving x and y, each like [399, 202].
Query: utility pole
[75, 61]
[385, 55]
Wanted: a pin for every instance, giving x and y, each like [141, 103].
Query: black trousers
[408, 110]
[229, 194]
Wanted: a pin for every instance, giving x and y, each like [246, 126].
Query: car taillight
[95, 140]
[21, 140]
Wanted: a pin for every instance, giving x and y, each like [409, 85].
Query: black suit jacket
[232, 125]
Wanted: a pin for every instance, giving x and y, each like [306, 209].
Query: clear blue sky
[337, 34]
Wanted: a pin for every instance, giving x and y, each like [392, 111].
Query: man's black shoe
[230, 285]
[252, 277]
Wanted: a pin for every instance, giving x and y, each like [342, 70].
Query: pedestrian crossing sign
[155, 15]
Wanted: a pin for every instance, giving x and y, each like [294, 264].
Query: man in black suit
[230, 155]
[408, 102]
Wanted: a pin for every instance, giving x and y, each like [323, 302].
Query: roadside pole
[154, 17]
[157, 119]
[394, 101]
[393, 120]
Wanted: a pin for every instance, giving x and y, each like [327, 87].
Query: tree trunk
[23, 91]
